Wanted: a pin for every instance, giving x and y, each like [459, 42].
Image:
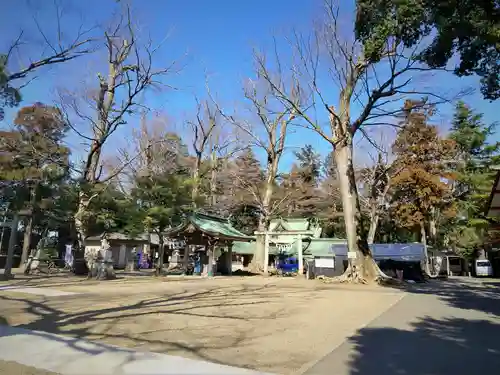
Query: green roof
[314, 247]
[243, 248]
[293, 224]
[321, 246]
[212, 225]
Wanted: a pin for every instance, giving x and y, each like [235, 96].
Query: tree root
[346, 277]
[354, 276]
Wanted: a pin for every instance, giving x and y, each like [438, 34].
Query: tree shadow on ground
[462, 294]
[430, 347]
[100, 323]
[65, 278]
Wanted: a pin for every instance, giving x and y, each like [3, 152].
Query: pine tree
[309, 164]
[164, 199]
[329, 167]
[33, 163]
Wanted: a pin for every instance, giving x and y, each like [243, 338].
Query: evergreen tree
[163, 201]
[329, 167]
[33, 164]
[475, 156]
[309, 164]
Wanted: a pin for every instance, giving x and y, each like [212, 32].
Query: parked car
[483, 268]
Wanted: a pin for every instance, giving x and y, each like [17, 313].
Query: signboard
[352, 255]
[175, 244]
[324, 262]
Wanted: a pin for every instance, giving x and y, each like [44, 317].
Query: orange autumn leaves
[423, 181]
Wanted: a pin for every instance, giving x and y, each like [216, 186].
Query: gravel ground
[271, 325]
[13, 368]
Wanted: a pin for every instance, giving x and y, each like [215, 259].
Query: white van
[483, 267]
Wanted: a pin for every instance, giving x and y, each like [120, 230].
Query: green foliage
[329, 166]
[475, 156]
[111, 210]
[467, 28]
[302, 195]
[32, 149]
[245, 218]
[34, 164]
[309, 164]
[9, 96]
[163, 199]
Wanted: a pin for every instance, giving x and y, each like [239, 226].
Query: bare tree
[203, 129]
[56, 50]
[154, 149]
[130, 74]
[376, 183]
[374, 86]
[266, 129]
[225, 143]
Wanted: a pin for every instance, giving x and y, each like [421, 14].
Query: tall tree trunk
[257, 264]
[364, 265]
[374, 219]
[161, 256]
[433, 226]
[89, 256]
[423, 240]
[28, 228]
[28, 231]
[213, 180]
[80, 214]
[12, 244]
[196, 181]
[375, 209]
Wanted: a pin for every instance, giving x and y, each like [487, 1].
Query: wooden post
[185, 261]
[229, 258]
[12, 243]
[266, 253]
[300, 255]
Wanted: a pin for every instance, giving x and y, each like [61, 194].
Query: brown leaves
[422, 180]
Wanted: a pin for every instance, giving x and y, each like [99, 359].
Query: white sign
[352, 255]
[284, 247]
[176, 244]
[324, 262]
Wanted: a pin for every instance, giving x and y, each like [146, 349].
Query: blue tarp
[409, 252]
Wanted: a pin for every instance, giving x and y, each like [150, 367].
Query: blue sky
[215, 36]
